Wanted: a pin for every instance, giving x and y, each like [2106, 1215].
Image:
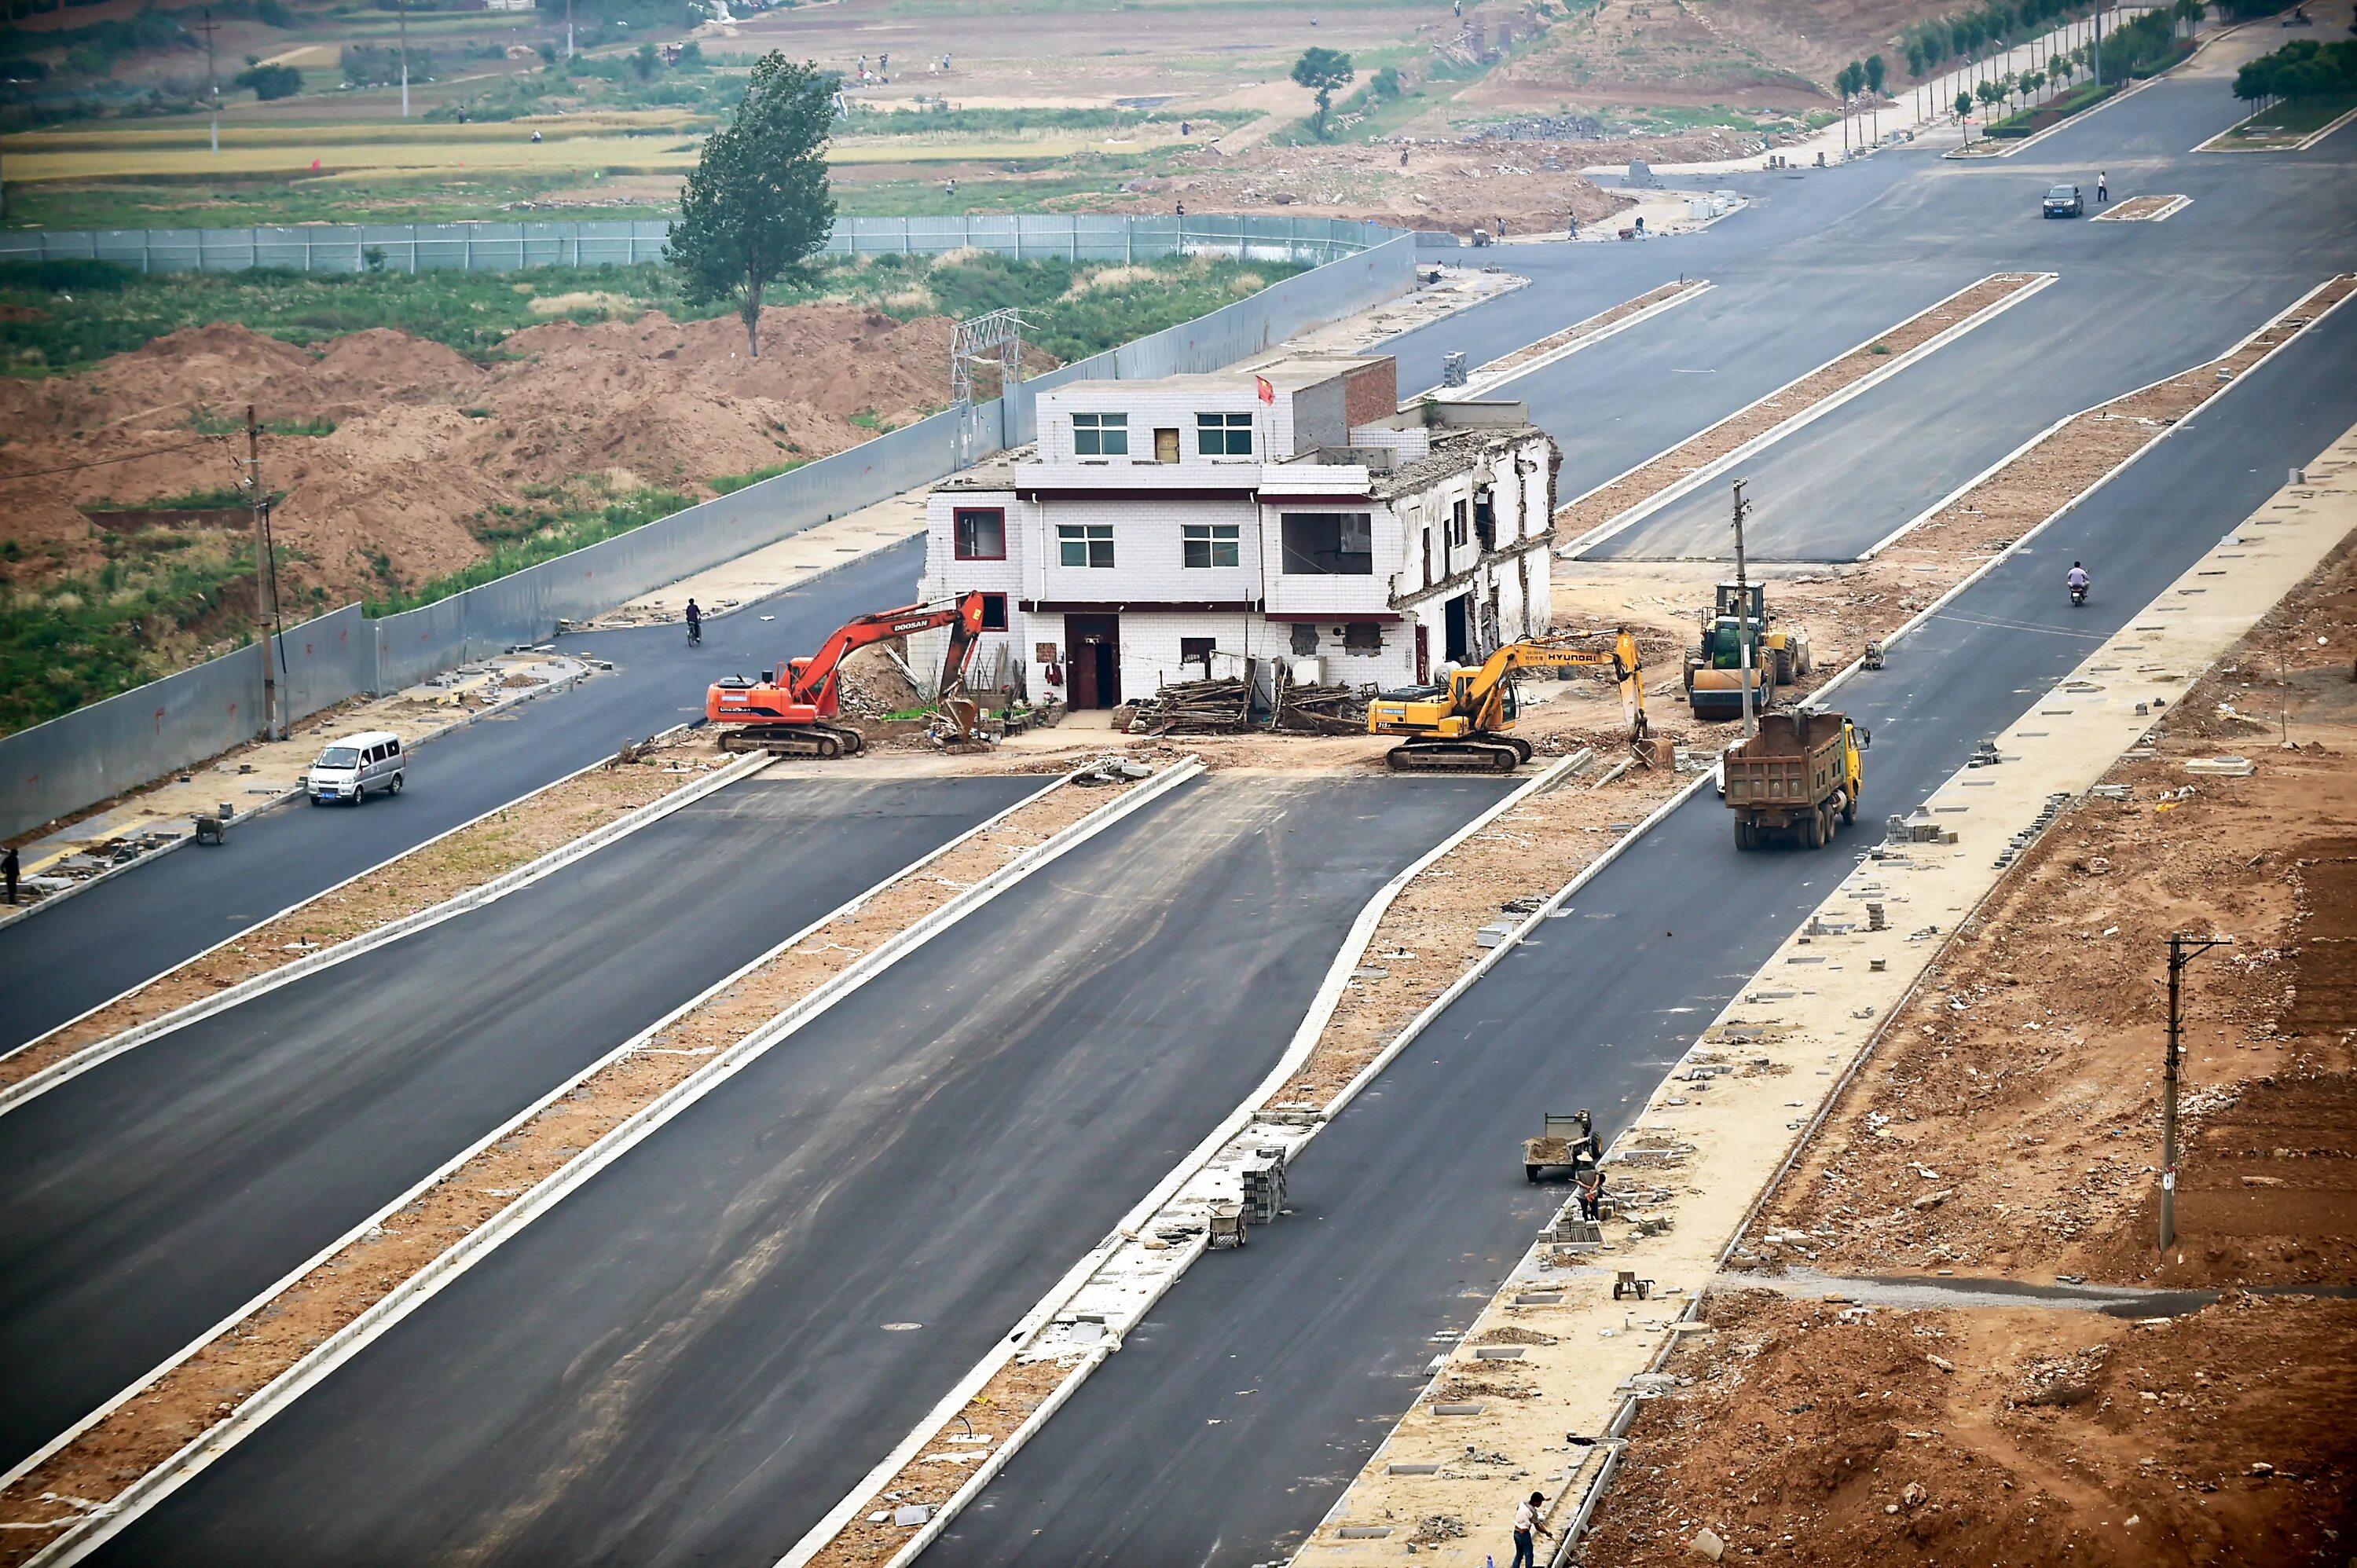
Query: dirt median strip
[207, 1385]
[2144, 210]
[1727, 1122]
[1654, 478]
[1427, 939]
[443, 868]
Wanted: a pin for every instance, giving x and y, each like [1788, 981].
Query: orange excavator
[790, 712]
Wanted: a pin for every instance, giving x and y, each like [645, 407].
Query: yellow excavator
[1458, 723]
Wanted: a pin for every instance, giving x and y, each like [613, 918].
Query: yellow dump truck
[1799, 775]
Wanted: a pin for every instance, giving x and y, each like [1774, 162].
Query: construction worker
[1530, 1522]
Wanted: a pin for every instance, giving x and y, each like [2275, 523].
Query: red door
[1092, 659]
[1423, 653]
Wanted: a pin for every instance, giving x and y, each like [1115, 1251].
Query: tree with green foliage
[269, 82]
[757, 205]
[645, 61]
[2301, 69]
[1876, 73]
[1964, 106]
[1322, 70]
[1990, 93]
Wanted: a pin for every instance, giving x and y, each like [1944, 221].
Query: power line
[101, 462]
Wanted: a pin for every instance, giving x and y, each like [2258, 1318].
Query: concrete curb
[1304, 1040]
[285, 797]
[2299, 146]
[36, 1084]
[1694, 480]
[2175, 205]
[2109, 475]
[167, 1477]
[1625, 1413]
[1484, 380]
[458, 1160]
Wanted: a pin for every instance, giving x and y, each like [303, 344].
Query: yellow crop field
[326, 156]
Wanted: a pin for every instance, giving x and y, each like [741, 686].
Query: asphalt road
[1235, 1416]
[66, 961]
[2134, 303]
[692, 1357]
[145, 1199]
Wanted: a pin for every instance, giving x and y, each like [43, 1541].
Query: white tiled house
[1288, 511]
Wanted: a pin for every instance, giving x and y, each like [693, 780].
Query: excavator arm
[1461, 724]
[790, 712]
[813, 681]
[1483, 696]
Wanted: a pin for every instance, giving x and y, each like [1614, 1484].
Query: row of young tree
[1973, 37]
[2302, 69]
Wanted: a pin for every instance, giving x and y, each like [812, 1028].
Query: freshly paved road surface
[2134, 302]
[688, 1360]
[1305, 1346]
[151, 1195]
[66, 961]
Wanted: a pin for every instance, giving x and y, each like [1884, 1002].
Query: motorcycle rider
[695, 622]
[2078, 581]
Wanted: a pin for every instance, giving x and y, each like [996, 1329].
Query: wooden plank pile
[1194, 707]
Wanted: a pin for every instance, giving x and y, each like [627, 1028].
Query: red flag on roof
[1267, 392]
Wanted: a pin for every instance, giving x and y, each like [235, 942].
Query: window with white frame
[1223, 434]
[1084, 543]
[1209, 544]
[1101, 434]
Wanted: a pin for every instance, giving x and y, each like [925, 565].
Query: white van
[357, 765]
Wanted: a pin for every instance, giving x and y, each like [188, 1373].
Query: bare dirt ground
[428, 445]
[1818, 1433]
[2008, 1127]
[1447, 184]
[1765, 55]
[199, 1392]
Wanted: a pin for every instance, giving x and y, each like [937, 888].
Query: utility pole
[1743, 617]
[568, 29]
[2095, 55]
[213, 82]
[403, 6]
[2182, 950]
[265, 574]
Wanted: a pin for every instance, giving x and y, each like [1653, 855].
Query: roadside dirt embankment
[432, 459]
[2008, 1127]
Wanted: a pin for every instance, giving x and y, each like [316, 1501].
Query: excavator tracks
[1496, 755]
[794, 740]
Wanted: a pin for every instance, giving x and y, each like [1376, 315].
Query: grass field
[2293, 120]
[63, 316]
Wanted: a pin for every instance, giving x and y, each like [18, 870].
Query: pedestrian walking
[1530, 1522]
[2103, 187]
[10, 867]
[1182, 210]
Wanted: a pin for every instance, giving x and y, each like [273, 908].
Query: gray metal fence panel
[125, 741]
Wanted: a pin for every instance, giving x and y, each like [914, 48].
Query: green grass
[580, 514]
[73, 314]
[89, 636]
[2027, 122]
[2294, 118]
[729, 484]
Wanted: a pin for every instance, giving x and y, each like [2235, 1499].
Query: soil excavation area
[2008, 1127]
[430, 457]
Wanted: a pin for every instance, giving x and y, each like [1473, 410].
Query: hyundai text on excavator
[790, 712]
[1458, 723]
